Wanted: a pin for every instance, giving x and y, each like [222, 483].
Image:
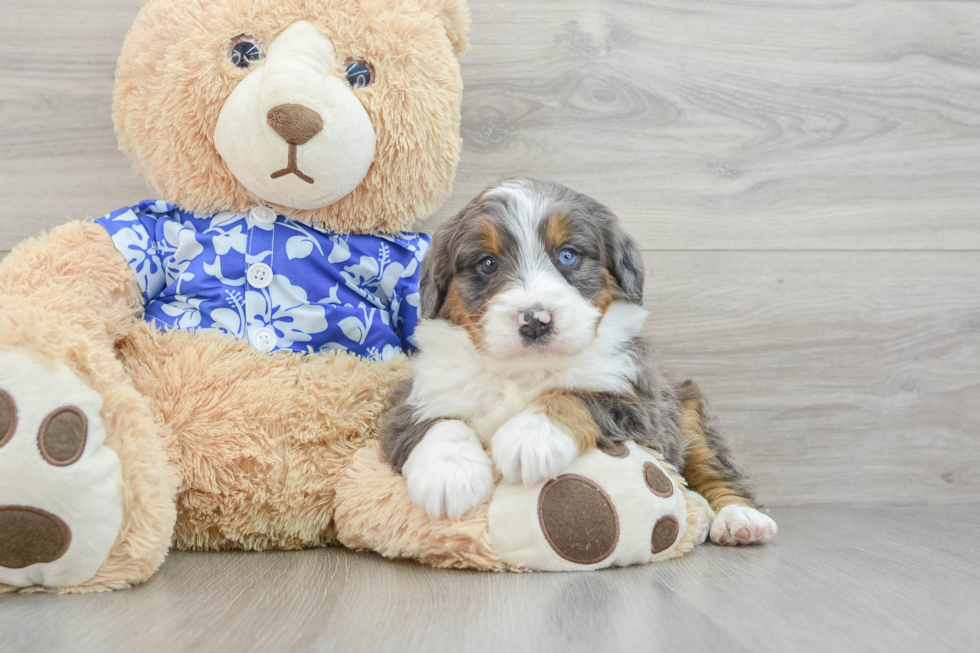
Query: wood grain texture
[842, 377]
[58, 152]
[731, 125]
[834, 579]
[851, 124]
[758, 150]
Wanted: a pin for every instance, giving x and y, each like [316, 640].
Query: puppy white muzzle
[542, 314]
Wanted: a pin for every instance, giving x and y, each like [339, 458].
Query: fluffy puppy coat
[532, 346]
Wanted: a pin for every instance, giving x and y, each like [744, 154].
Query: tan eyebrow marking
[559, 230]
[490, 238]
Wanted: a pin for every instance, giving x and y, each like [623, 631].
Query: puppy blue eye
[358, 74]
[487, 265]
[567, 257]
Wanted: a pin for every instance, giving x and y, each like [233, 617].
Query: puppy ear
[438, 264]
[432, 293]
[625, 261]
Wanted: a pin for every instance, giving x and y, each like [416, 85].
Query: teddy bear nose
[295, 123]
[31, 535]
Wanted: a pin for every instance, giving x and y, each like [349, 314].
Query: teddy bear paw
[705, 518]
[742, 525]
[61, 502]
[448, 473]
[529, 448]
[614, 507]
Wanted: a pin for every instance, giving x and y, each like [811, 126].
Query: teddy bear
[208, 370]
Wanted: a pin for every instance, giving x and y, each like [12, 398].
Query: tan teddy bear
[209, 371]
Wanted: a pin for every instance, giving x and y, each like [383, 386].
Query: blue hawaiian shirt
[269, 280]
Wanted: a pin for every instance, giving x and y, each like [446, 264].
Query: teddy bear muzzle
[311, 142]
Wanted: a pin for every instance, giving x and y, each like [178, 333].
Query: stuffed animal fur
[136, 416]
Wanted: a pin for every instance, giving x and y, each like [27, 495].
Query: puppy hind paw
[735, 525]
[448, 472]
[529, 448]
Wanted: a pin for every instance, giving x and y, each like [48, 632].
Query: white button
[263, 339]
[264, 214]
[259, 275]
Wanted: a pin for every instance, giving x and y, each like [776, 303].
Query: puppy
[532, 344]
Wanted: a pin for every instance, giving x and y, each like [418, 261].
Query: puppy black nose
[535, 323]
[295, 123]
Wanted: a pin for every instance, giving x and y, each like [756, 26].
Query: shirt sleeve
[135, 232]
[407, 315]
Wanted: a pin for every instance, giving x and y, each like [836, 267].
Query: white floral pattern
[329, 292]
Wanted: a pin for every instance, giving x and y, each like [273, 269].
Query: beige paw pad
[60, 486]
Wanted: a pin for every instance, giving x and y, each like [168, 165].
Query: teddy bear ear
[456, 19]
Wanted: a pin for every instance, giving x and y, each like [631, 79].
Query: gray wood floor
[835, 579]
[805, 180]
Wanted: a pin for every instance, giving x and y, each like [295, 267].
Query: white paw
[705, 518]
[61, 503]
[741, 525]
[448, 472]
[530, 448]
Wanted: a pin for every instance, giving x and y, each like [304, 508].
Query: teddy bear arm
[76, 274]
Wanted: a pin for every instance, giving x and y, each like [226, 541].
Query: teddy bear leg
[374, 511]
[86, 497]
[86, 490]
[609, 508]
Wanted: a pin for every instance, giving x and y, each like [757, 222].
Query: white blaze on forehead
[525, 210]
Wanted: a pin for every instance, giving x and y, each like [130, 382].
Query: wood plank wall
[803, 176]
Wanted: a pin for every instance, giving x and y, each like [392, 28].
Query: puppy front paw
[742, 525]
[448, 472]
[530, 448]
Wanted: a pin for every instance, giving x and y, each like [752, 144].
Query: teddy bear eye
[244, 51]
[358, 73]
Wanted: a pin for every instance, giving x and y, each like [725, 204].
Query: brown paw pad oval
[617, 450]
[664, 533]
[578, 519]
[8, 417]
[62, 435]
[31, 535]
[658, 482]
